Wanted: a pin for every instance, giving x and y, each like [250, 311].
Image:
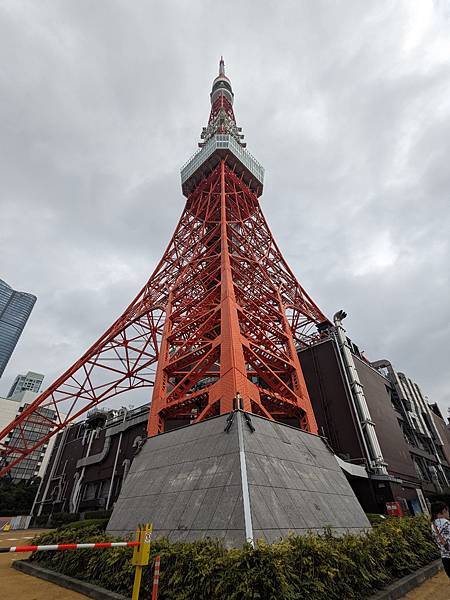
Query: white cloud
[373, 256]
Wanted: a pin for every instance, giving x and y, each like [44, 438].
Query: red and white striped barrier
[156, 578]
[69, 546]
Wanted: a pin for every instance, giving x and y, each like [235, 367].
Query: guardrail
[141, 555]
[53, 547]
[222, 142]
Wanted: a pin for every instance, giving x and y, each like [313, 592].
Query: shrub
[376, 519]
[100, 524]
[63, 519]
[59, 519]
[98, 514]
[17, 498]
[309, 567]
[54, 519]
[39, 521]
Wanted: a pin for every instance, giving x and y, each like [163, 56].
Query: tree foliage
[17, 498]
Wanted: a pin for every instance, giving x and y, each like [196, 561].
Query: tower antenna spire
[221, 67]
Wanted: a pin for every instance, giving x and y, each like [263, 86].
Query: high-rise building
[378, 420]
[43, 422]
[91, 459]
[15, 308]
[415, 417]
[30, 382]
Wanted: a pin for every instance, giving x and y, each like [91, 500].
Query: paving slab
[14, 584]
[435, 588]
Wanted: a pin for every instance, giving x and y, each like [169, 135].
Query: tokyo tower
[218, 324]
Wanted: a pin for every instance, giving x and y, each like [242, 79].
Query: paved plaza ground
[14, 584]
[436, 588]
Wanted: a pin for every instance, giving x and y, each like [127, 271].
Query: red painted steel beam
[231, 305]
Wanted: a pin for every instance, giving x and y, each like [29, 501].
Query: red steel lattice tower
[218, 323]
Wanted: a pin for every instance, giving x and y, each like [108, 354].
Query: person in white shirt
[440, 530]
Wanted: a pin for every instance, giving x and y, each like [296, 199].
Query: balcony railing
[227, 142]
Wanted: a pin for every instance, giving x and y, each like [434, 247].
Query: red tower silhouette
[220, 318]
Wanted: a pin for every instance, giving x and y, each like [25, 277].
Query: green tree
[17, 498]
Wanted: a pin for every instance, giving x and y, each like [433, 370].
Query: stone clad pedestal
[258, 480]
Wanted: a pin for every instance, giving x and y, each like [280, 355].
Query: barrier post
[141, 556]
[156, 578]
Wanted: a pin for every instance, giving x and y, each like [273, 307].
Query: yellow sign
[6, 527]
[141, 555]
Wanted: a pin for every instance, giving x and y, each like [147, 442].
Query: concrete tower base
[257, 479]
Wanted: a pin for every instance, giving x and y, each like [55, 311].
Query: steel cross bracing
[235, 317]
[221, 314]
[123, 359]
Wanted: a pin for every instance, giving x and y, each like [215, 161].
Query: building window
[421, 469]
[90, 490]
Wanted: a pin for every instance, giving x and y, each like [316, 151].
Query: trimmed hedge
[376, 519]
[98, 514]
[307, 567]
[99, 524]
[55, 519]
[62, 518]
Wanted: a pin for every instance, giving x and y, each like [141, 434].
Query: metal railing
[222, 141]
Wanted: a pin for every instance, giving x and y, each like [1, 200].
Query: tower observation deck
[222, 140]
[217, 324]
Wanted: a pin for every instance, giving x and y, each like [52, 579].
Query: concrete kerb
[76, 585]
[401, 587]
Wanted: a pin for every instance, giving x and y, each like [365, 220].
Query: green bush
[309, 567]
[98, 514]
[98, 523]
[17, 498]
[63, 519]
[54, 519]
[59, 519]
[40, 521]
[376, 519]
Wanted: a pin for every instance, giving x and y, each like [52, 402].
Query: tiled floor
[18, 585]
[436, 588]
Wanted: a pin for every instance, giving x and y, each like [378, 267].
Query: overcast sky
[346, 104]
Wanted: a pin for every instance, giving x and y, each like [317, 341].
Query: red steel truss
[235, 315]
[219, 319]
